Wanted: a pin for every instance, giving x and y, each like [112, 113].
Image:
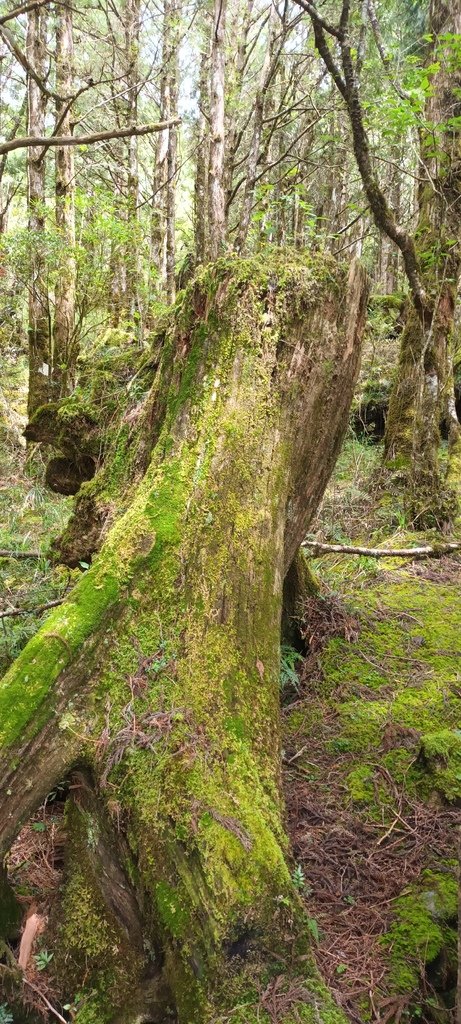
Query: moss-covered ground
[372, 754]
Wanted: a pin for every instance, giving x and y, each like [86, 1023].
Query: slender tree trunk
[124, 297]
[65, 347]
[217, 196]
[173, 45]
[234, 86]
[158, 220]
[158, 678]
[133, 301]
[39, 314]
[163, 223]
[202, 136]
[268, 69]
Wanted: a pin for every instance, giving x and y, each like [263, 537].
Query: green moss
[85, 932]
[171, 909]
[421, 927]
[442, 753]
[32, 676]
[360, 784]
[403, 664]
[93, 956]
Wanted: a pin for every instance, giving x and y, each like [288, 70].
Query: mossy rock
[441, 752]
[424, 924]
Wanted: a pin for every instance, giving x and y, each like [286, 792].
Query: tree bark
[201, 226]
[158, 677]
[422, 396]
[39, 315]
[163, 223]
[271, 57]
[65, 347]
[217, 196]
[240, 30]
[172, 17]
[124, 257]
[132, 24]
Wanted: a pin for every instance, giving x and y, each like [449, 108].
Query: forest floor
[372, 761]
[372, 751]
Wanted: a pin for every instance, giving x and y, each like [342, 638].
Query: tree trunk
[158, 219]
[65, 348]
[159, 675]
[173, 46]
[267, 71]
[201, 226]
[240, 32]
[39, 315]
[216, 195]
[133, 303]
[124, 298]
[163, 224]
[422, 394]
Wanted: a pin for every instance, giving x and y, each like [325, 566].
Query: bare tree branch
[21, 58]
[325, 25]
[13, 612]
[22, 9]
[347, 84]
[85, 140]
[319, 548]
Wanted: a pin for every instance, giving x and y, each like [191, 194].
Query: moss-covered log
[158, 677]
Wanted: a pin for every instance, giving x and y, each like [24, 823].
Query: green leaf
[298, 878]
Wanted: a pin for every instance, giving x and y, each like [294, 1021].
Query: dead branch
[33, 926]
[86, 140]
[319, 548]
[19, 554]
[31, 611]
[43, 997]
[22, 9]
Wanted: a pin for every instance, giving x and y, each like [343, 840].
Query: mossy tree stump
[157, 681]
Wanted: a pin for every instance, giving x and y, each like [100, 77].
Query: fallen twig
[31, 611]
[20, 554]
[42, 995]
[319, 548]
